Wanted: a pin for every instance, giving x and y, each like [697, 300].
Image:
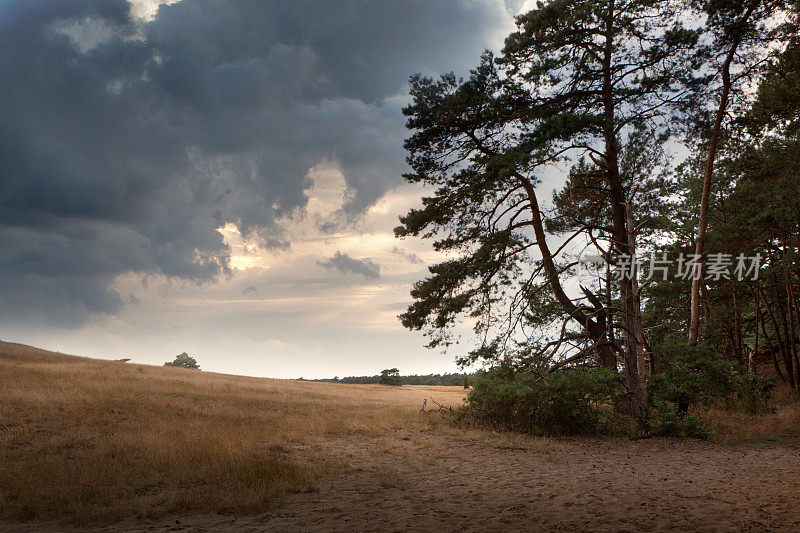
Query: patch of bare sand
[431, 482]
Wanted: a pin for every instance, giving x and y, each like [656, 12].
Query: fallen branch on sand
[440, 408]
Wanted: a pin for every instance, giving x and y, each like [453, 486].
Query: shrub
[667, 421]
[752, 393]
[690, 380]
[571, 401]
[184, 360]
[702, 378]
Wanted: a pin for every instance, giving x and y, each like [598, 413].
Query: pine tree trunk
[631, 314]
[713, 145]
[790, 358]
[792, 330]
[762, 320]
[788, 363]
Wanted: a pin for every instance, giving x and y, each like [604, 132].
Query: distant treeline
[456, 379]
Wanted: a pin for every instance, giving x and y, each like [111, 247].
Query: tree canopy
[600, 95]
[184, 360]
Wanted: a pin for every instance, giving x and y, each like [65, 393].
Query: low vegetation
[91, 441]
[85, 441]
[682, 396]
[569, 402]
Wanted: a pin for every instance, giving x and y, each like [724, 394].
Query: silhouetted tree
[390, 376]
[184, 360]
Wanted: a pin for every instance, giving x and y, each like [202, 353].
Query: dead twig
[440, 408]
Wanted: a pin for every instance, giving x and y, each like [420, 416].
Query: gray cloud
[348, 265]
[124, 144]
[408, 256]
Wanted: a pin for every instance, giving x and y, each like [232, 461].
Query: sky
[220, 177]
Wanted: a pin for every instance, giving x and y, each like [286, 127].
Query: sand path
[427, 482]
[441, 484]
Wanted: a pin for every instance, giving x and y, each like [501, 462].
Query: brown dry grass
[734, 427]
[90, 441]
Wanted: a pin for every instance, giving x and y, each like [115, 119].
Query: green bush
[184, 360]
[702, 378]
[667, 421]
[689, 380]
[572, 401]
[751, 393]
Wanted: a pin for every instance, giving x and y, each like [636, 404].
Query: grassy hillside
[86, 440]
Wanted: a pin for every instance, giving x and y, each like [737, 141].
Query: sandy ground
[431, 482]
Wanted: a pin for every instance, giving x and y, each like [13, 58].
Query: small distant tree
[184, 360]
[390, 376]
[466, 381]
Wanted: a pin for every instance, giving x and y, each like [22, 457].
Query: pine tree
[578, 78]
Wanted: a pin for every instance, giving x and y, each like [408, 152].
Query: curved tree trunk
[713, 146]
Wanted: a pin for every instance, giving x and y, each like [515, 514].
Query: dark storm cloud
[124, 144]
[349, 265]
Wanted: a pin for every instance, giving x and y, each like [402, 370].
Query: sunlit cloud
[195, 175]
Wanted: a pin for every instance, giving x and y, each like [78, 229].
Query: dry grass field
[92, 441]
[125, 447]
